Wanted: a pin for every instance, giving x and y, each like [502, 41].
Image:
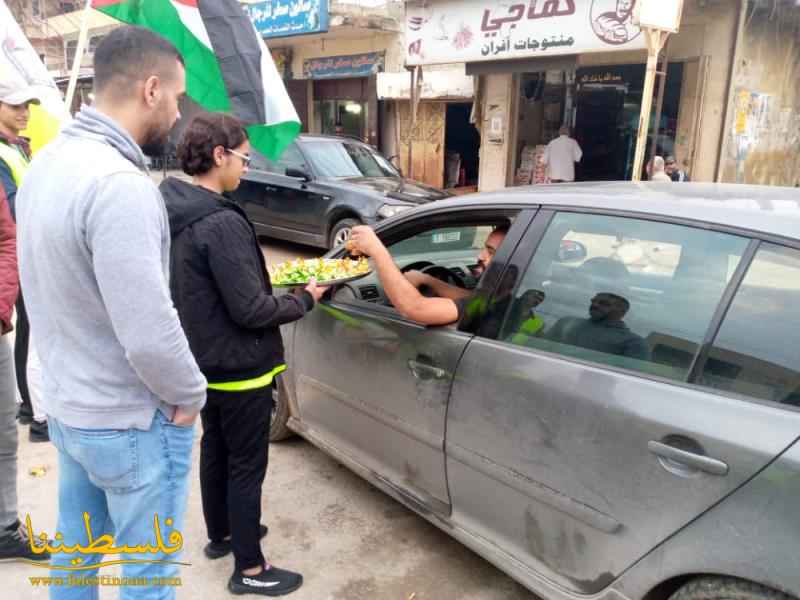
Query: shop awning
[435, 85]
[530, 65]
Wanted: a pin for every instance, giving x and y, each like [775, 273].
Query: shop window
[628, 293]
[755, 352]
[341, 117]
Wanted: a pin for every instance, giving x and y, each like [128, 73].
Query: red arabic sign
[450, 31]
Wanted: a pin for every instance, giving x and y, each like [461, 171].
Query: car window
[346, 159]
[441, 240]
[756, 350]
[454, 248]
[291, 158]
[629, 293]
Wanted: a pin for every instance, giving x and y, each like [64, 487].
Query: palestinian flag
[228, 66]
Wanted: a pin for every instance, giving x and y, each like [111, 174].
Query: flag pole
[79, 50]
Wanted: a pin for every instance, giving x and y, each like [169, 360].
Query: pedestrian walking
[560, 156]
[222, 291]
[15, 156]
[14, 540]
[121, 387]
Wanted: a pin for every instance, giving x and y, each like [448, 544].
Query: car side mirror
[300, 174]
[571, 251]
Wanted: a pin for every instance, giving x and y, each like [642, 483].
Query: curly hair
[204, 133]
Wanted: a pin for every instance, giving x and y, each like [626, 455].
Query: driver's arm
[402, 294]
[439, 287]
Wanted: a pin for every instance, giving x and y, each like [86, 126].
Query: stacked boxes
[531, 167]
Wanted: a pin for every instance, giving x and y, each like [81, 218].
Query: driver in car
[403, 289]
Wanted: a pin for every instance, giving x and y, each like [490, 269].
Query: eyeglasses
[246, 160]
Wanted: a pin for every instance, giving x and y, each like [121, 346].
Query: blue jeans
[123, 479]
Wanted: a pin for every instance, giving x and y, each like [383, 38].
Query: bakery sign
[451, 31]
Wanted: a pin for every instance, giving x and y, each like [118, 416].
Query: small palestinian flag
[228, 66]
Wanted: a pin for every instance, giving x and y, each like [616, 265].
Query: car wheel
[340, 232]
[725, 588]
[278, 427]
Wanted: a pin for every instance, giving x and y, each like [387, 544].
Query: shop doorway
[462, 147]
[341, 107]
[608, 104]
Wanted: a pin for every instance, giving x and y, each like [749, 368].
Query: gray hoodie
[94, 264]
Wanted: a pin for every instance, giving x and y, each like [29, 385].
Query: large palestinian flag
[228, 66]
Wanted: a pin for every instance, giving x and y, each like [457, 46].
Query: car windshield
[336, 158]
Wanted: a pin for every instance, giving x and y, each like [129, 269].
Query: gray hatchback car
[615, 415]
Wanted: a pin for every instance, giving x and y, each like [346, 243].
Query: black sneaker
[24, 415]
[215, 550]
[14, 543]
[270, 582]
[39, 432]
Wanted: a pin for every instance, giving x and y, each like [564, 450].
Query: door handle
[270, 188]
[422, 371]
[688, 459]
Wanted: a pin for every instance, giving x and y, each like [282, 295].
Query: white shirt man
[560, 157]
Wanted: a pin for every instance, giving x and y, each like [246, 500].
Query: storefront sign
[281, 18]
[339, 67]
[478, 30]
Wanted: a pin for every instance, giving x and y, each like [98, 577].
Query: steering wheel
[417, 266]
[445, 274]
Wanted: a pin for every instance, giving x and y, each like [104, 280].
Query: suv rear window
[756, 350]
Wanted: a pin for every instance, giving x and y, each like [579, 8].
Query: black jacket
[221, 288]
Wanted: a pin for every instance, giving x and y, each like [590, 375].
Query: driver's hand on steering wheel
[417, 278]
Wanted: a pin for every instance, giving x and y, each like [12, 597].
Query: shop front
[580, 63]
[345, 94]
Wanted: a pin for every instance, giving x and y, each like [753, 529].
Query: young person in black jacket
[222, 291]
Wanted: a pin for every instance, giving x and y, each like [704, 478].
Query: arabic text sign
[338, 67]
[281, 18]
[476, 30]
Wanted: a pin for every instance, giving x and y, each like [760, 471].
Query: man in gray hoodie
[121, 388]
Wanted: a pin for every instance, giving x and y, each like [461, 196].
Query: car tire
[279, 423]
[725, 588]
[340, 228]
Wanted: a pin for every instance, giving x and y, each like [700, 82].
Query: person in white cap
[15, 155]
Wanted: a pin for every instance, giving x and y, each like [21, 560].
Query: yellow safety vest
[15, 160]
[530, 328]
[256, 383]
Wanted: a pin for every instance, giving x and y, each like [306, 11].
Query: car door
[575, 412]
[374, 386]
[295, 204]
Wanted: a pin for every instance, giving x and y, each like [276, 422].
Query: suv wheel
[725, 588]
[278, 427]
[340, 232]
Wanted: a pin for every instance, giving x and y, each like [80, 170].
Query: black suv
[322, 187]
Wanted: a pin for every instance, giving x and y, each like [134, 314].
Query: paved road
[351, 541]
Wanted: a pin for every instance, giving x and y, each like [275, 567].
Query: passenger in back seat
[604, 330]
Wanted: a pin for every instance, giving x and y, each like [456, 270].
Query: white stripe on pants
[34, 372]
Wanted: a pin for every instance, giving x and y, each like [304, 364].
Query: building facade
[728, 110]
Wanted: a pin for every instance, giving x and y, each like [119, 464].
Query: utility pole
[657, 18]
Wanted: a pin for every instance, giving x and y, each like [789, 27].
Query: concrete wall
[498, 104]
[763, 131]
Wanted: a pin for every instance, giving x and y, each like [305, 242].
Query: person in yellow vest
[15, 156]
